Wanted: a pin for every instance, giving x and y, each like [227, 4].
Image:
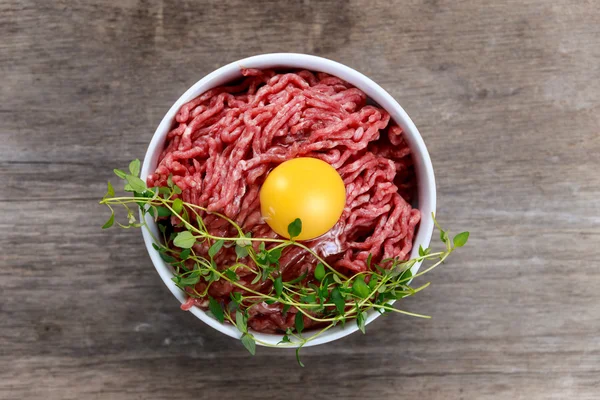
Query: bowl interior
[425, 178]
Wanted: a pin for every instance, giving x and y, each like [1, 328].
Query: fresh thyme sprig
[326, 297]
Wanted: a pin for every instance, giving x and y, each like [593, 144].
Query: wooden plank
[507, 98]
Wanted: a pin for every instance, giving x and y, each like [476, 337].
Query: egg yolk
[305, 188]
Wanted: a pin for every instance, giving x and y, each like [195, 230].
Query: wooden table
[507, 98]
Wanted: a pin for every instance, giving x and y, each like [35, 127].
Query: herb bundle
[328, 298]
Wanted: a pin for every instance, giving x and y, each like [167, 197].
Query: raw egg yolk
[305, 188]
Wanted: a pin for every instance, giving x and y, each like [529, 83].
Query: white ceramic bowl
[230, 72]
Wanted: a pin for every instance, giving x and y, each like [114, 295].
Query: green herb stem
[329, 296]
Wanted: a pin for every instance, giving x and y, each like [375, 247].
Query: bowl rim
[423, 167]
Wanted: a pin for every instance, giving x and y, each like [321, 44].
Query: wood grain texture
[507, 98]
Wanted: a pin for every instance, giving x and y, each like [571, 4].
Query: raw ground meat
[224, 143]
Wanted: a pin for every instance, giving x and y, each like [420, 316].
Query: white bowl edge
[229, 72]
